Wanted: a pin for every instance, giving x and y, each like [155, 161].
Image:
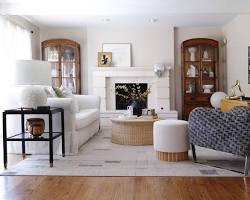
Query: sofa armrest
[88, 101]
[65, 103]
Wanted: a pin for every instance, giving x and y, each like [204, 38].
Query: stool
[170, 140]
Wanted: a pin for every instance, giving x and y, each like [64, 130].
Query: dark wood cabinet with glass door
[200, 73]
[64, 55]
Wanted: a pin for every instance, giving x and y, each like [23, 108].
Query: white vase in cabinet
[192, 51]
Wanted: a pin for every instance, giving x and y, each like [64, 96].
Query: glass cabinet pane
[69, 83]
[51, 54]
[191, 69]
[54, 69]
[192, 53]
[68, 69]
[190, 86]
[208, 53]
[68, 54]
[208, 78]
[55, 82]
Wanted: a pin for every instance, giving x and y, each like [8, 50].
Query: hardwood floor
[120, 188]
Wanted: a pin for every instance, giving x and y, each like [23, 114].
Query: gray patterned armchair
[223, 131]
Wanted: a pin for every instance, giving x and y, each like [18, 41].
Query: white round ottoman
[171, 140]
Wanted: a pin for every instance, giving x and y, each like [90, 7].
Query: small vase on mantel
[138, 105]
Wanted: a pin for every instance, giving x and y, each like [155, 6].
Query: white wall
[185, 33]
[237, 33]
[150, 44]
[76, 34]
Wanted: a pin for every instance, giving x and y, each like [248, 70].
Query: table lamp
[32, 74]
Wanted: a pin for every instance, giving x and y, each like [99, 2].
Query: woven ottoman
[170, 140]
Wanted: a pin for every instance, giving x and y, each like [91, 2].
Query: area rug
[100, 157]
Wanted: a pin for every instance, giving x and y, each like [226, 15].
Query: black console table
[24, 136]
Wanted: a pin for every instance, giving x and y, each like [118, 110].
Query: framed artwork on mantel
[121, 53]
[104, 59]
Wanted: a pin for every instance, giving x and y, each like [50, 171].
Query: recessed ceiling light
[106, 19]
[154, 20]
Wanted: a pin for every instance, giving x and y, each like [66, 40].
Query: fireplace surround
[106, 78]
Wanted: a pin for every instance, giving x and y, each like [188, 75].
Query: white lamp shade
[32, 72]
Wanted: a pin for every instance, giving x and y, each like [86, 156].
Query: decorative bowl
[207, 88]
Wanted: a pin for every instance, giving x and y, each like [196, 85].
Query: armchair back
[222, 131]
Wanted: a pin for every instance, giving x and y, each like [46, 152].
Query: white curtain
[15, 43]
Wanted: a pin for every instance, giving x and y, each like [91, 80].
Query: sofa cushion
[86, 117]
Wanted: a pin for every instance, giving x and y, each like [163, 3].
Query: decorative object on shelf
[210, 73]
[236, 91]
[64, 55]
[130, 110]
[31, 74]
[138, 105]
[207, 88]
[191, 88]
[104, 59]
[159, 69]
[136, 97]
[121, 53]
[192, 71]
[35, 126]
[205, 72]
[203, 54]
[147, 111]
[192, 51]
[216, 99]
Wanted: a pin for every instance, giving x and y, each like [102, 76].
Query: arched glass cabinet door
[64, 54]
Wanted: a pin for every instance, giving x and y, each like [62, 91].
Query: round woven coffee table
[132, 131]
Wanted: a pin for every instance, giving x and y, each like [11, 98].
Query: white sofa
[81, 120]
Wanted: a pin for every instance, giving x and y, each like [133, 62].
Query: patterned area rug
[100, 157]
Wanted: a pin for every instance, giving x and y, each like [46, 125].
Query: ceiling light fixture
[154, 20]
[106, 19]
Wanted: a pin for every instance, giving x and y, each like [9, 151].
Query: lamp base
[32, 96]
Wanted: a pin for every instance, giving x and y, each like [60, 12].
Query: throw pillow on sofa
[50, 92]
[58, 92]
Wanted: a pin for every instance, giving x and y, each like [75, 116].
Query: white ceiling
[87, 12]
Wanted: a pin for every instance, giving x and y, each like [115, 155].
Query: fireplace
[105, 79]
[125, 93]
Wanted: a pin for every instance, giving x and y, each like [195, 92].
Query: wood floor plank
[123, 188]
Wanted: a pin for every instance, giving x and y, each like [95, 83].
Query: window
[15, 43]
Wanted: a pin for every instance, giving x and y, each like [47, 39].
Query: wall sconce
[159, 69]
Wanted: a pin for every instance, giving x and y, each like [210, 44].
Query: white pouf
[170, 140]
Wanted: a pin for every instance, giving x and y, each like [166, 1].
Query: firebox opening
[125, 93]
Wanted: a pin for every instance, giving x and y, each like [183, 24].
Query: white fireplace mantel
[104, 79]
